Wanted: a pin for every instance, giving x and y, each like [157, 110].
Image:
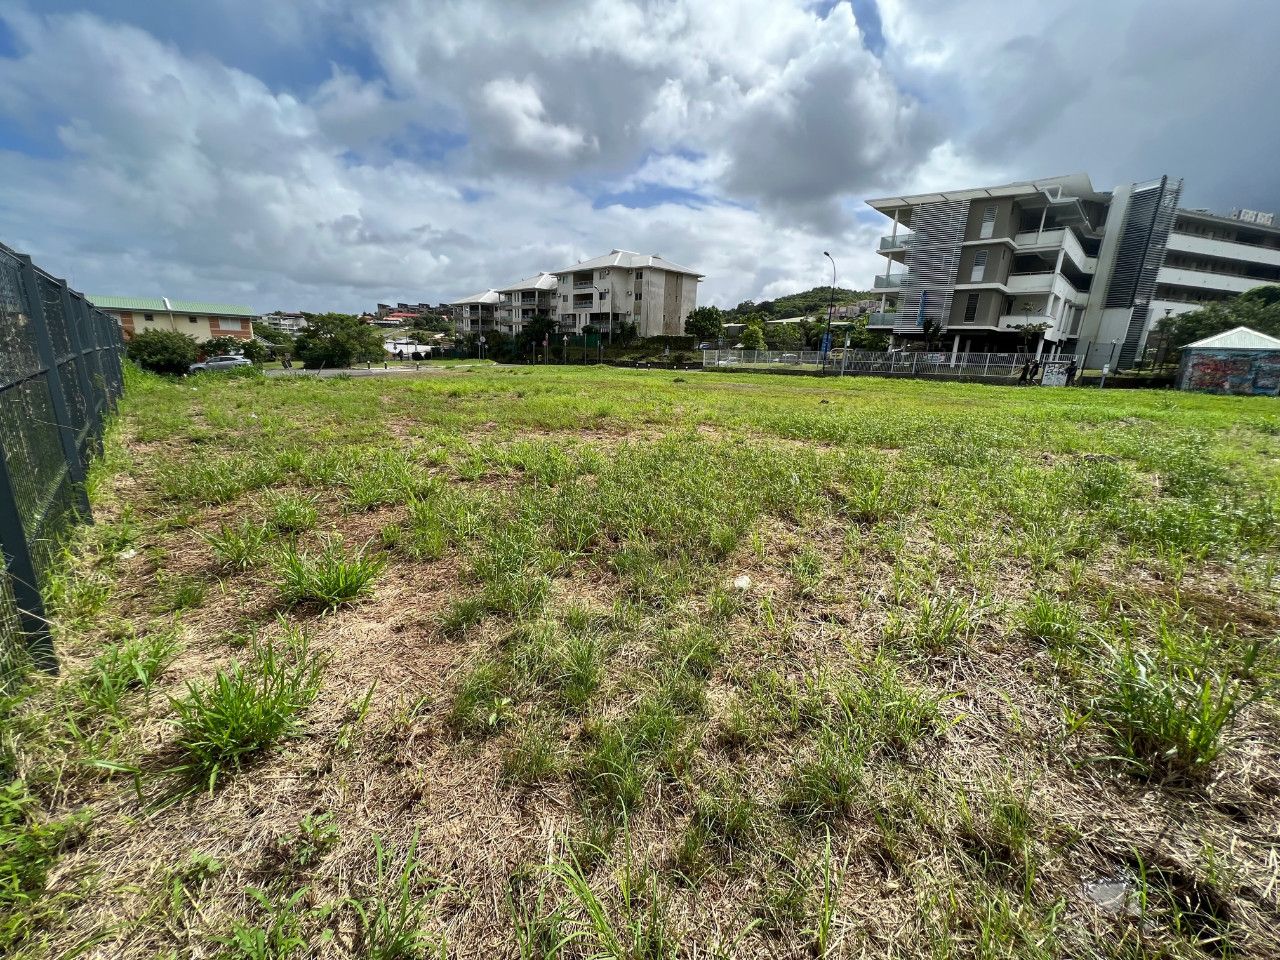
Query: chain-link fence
[60, 374]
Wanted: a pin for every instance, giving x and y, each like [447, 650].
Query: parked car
[219, 363]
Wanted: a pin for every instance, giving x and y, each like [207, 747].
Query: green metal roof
[157, 305]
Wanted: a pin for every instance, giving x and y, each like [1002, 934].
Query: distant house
[1235, 361]
[197, 319]
[476, 313]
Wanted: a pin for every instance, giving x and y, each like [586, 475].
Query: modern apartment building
[199, 320]
[654, 294]
[524, 300]
[1059, 266]
[476, 313]
[1210, 257]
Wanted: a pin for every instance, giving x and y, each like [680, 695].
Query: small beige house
[199, 320]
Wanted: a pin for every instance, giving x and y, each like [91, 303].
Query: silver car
[219, 363]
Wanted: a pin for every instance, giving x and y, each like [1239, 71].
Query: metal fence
[898, 363]
[60, 374]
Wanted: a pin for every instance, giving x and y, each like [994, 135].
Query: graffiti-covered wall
[1231, 371]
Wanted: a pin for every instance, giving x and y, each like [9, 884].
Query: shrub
[245, 709]
[162, 351]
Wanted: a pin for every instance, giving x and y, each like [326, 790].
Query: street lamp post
[565, 340]
[831, 309]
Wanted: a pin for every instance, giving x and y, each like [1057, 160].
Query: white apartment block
[1090, 271]
[293, 323]
[654, 294]
[525, 299]
[476, 313]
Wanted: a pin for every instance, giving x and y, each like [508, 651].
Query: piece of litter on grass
[128, 554]
[1112, 896]
[742, 582]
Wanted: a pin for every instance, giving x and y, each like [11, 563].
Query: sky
[322, 155]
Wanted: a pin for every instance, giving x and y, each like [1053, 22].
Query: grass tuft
[328, 579]
[245, 709]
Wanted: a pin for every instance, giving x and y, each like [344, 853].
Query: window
[564, 298]
[604, 294]
[148, 317]
[988, 221]
[638, 294]
[971, 308]
[979, 267]
[639, 274]
[193, 319]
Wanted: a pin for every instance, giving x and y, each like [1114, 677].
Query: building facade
[199, 320]
[523, 300]
[1056, 266]
[654, 294]
[476, 313]
[293, 323]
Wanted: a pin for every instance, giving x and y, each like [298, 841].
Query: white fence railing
[898, 363]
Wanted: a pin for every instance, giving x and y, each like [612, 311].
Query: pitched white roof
[543, 281]
[1241, 338]
[489, 296]
[630, 261]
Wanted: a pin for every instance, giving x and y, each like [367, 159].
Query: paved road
[374, 371]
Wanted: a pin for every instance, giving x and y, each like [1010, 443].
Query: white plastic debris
[742, 582]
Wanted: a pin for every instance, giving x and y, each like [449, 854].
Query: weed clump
[245, 709]
[328, 579]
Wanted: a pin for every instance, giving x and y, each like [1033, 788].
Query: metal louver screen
[1152, 208]
[932, 261]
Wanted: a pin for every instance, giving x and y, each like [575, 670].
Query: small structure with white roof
[1240, 361]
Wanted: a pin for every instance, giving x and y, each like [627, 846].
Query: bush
[162, 351]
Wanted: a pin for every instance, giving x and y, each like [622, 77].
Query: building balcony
[1207, 280]
[1030, 282]
[875, 320]
[891, 282]
[894, 243]
[583, 284]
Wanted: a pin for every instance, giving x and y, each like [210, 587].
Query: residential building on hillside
[197, 319]
[1060, 265]
[476, 313]
[525, 299]
[624, 287]
[284, 322]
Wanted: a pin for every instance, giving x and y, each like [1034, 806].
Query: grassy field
[598, 663]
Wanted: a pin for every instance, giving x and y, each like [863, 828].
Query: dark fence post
[22, 578]
[48, 359]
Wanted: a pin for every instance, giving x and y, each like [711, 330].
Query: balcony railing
[892, 243]
[893, 280]
[881, 319]
[580, 284]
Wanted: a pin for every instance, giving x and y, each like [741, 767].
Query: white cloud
[520, 115]
[444, 147]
